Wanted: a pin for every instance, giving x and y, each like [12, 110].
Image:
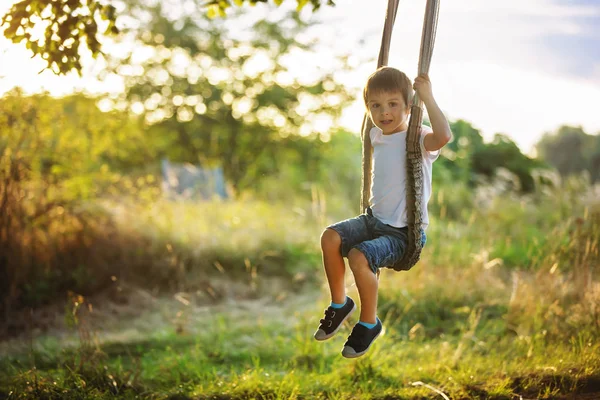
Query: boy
[378, 238]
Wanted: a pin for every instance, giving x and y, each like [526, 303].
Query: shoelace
[328, 320]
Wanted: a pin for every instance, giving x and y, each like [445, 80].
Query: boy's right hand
[423, 88]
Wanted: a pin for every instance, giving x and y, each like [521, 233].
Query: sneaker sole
[356, 355]
[339, 326]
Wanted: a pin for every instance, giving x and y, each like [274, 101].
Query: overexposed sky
[515, 67]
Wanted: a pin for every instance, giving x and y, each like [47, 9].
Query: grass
[503, 304]
[474, 339]
[262, 355]
[232, 234]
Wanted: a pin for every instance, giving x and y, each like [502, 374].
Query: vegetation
[212, 98]
[572, 151]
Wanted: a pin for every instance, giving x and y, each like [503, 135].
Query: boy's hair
[388, 79]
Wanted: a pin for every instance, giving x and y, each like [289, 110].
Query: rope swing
[414, 160]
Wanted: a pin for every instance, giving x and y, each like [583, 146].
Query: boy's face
[388, 111]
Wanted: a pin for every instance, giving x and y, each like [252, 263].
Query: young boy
[378, 238]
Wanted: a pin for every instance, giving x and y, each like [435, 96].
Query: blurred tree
[468, 156]
[67, 145]
[457, 156]
[55, 156]
[70, 25]
[571, 151]
[212, 98]
[504, 153]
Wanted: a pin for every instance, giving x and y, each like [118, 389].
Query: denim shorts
[382, 245]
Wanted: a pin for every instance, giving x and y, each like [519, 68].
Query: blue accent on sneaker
[336, 305]
[367, 325]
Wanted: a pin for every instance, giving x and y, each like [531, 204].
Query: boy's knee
[330, 239]
[357, 259]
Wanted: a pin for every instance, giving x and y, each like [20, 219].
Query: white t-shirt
[388, 189]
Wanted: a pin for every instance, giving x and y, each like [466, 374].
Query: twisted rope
[367, 124]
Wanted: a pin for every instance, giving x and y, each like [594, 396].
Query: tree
[56, 155]
[458, 154]
[211, 98]
[571, 151]
[467, 156]
[504, 153]
[67, 24]
[70, 25]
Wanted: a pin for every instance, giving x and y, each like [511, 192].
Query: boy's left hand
[422, 86]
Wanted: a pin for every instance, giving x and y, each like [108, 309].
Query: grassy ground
[264, 349]
[504, 305]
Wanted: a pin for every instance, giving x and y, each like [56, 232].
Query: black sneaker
[361, 339]
[334, 317]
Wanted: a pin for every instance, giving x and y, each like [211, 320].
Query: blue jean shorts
[382, 245]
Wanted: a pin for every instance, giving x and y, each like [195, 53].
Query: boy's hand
[422, 86]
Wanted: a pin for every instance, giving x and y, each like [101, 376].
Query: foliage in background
[212, 98]
[56, 156]
[572, 151]
[468, 158]
[61, 157]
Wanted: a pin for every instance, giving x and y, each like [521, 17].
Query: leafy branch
[71, 25]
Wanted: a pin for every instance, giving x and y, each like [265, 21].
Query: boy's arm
[439, 124]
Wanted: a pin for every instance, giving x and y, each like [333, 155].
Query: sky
[516, 67]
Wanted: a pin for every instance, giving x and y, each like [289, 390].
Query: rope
[427, 39]
[367, 124]
[414, 157]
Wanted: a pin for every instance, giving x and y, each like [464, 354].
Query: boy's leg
[367, 285]
[336, 241]
[365, 259]
[369, 256]
[334, 266]
[369, 327]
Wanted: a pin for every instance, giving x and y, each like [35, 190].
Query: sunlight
[257, 63]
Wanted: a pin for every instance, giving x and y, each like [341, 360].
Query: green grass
[243, 356]
[475, 338]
